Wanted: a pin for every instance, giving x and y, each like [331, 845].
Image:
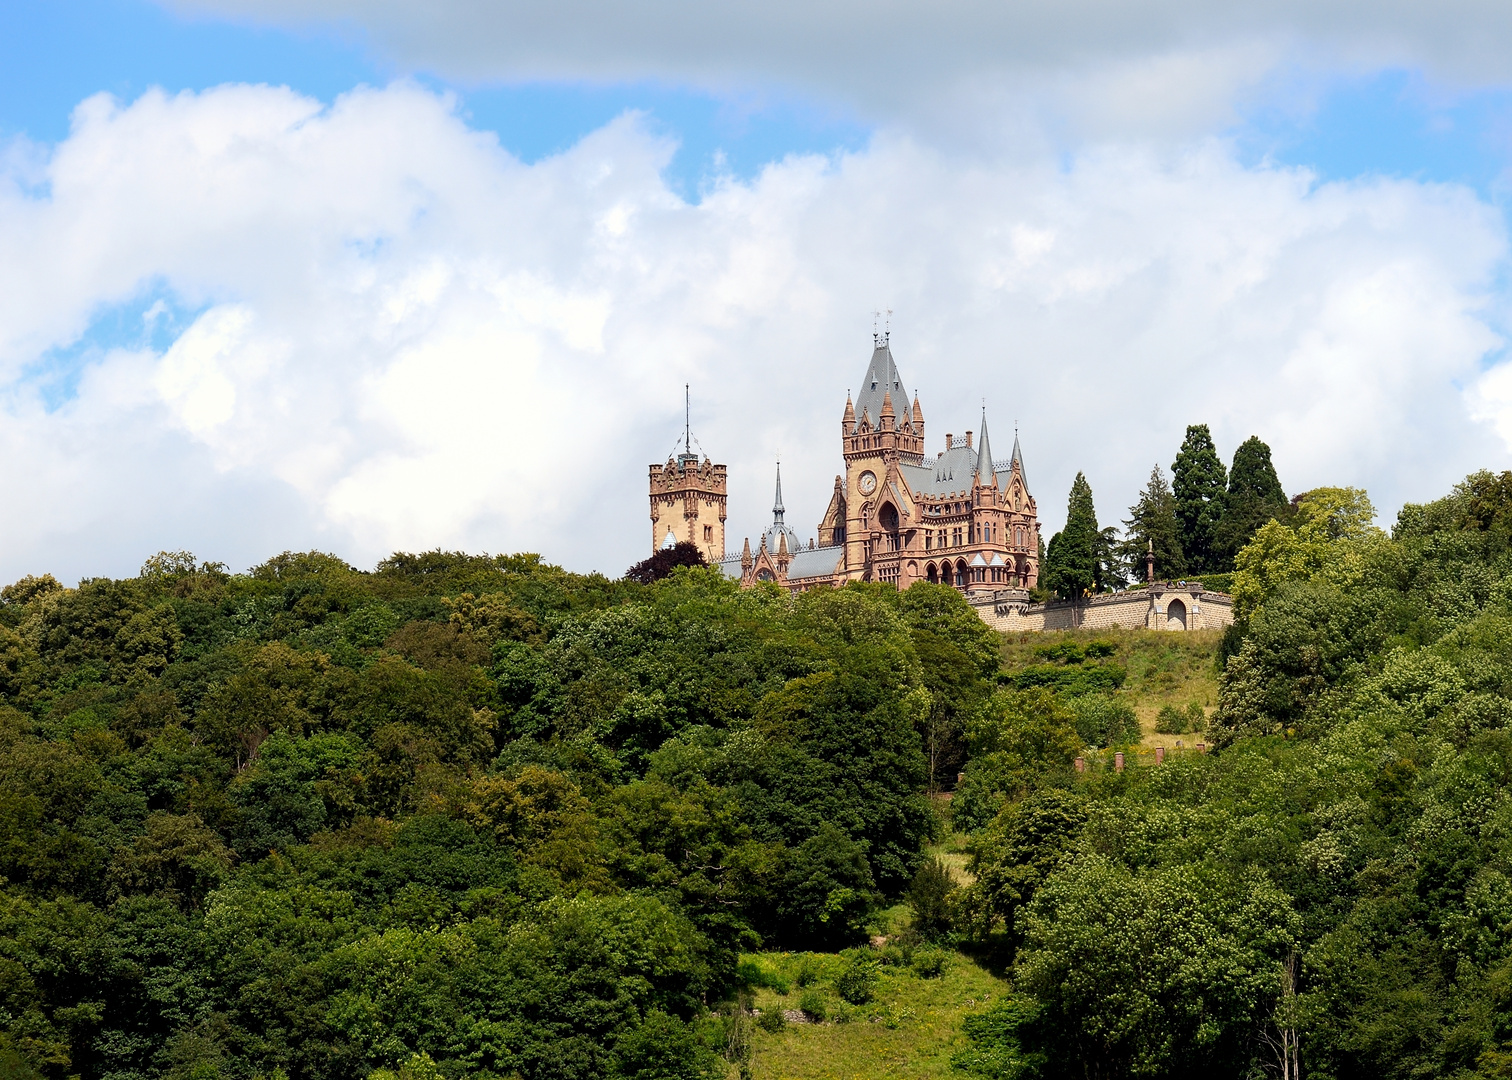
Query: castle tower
[688, 501]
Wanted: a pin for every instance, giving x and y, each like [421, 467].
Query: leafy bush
[772, 1020]
[813, 1005]
[929, 962]
[1102, 720]
[929, 892]
[1174, 721]
[857, 984]
[753, 974]
[1071, 680]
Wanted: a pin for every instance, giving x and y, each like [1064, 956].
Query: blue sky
[54, 55]
[1393, 122]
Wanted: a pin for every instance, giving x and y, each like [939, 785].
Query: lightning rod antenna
[687, 420]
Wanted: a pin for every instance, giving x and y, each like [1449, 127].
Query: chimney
[949, 441]
[968, 440]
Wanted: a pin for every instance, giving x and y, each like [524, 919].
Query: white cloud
[407, 338]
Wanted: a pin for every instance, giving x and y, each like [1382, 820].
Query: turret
[918, 416]
[986, 475]
[848, 420]
[745, 556]
[889, 418]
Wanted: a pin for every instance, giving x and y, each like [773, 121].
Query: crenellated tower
[688, 501]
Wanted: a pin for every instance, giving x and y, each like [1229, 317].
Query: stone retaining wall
[1177, 605]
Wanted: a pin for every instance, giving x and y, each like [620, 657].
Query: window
[708, 533]
[928, 540]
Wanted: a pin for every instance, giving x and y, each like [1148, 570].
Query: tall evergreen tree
[1200, 485]
[1152, 524]
[1071, 562]
[1254, 497]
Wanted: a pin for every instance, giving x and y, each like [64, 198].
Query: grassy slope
[910, 1030]
[914, 1027]
[1164, 668]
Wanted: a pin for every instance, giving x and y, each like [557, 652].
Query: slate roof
[881, 379]
[820, 561]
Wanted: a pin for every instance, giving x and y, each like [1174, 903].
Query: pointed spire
[881, 378]
[782, 543]
[918, 413]
[889, 418]
[777, 510]
[1018, 458]
[745, 554]
[848, 421]
[986, 474]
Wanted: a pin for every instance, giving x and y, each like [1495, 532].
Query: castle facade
[961, 518]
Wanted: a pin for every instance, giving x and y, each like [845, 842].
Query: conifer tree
[1200, 486]
[1071, 563]
[1152, 524]
[1254, 497]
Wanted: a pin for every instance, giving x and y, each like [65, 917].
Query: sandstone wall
[1174, 606]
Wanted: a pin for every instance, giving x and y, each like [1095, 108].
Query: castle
[962, 519]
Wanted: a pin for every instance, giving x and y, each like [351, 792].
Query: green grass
[1164, 668]
[910, 1030]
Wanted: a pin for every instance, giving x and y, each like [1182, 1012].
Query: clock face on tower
[867, 483]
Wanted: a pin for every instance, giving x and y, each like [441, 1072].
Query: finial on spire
[777, 510]
[687, 420]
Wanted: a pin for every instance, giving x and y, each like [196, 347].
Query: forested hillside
[477, 817]
[1331, 888]
[314, 822]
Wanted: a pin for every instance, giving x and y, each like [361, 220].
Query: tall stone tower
[688, 502]
[878, 432]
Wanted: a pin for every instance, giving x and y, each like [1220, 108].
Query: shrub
[812, 1004]
[930, 895]
[857, 984]
[1174, 721]
[1102, 720]
[929, 963]
[1171, 720]
[808, 972]
[753, 974]
[772, 1020]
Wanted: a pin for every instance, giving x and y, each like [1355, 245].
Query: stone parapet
[1165, 605]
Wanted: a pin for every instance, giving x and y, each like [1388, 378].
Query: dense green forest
[313, 820]
[471, 816]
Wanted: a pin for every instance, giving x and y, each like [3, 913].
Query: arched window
[932, 573]
[960, 574]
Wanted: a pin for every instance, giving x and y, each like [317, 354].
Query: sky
[368, 276]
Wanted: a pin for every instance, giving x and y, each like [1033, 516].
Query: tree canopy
[1199, 483]
[1072, 566]
[1153, 526]
[458, 816]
